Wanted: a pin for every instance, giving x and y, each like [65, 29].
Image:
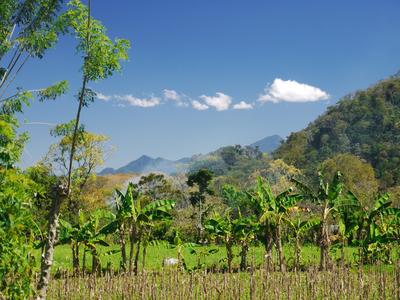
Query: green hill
[366, 124]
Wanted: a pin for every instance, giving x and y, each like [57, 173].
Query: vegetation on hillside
[365, 124]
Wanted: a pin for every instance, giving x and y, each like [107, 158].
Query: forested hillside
[365, 124]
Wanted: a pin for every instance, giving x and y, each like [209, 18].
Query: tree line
[327, 216]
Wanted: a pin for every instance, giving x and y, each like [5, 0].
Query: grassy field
[156, 254]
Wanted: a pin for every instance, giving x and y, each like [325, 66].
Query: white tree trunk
[60, 194]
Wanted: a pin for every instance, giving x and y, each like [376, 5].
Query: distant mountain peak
[146, 164]
[268, 144]
[144, 157]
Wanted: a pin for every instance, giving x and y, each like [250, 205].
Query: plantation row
[257, 284]
[326, 217]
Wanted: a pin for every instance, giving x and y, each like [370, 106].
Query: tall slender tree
[200, 180]
[101, 58]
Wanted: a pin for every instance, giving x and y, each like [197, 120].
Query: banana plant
[327, 197]
[349, 212]
[221, 228]
[86, 233]
[244, 230]
[201, 254]
[379, 225]
[271, 210]
[136, 219]
[180, 245]
[300, 228]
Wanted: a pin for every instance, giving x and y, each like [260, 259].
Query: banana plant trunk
[297, 254]
[144, 257]
[75, 258]
[47, 257]
[324, 240]
[136, 268]
[84, 262]
[268, 248]
[132, 245]
[123, 247]
[243, 256]
[95, 262]
[229, 255]
[180, 258]
[278, 242]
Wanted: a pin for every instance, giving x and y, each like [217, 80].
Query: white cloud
[199, 106]
[134, 101]
[171, 95]
[179, 99]
[243, 105]
[291, 91]
[124, 100]
[220, 102]
[103, 97]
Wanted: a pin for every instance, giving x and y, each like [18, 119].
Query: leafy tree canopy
[365, 124]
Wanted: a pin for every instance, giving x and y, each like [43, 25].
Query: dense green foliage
[16, 220]
[365, 124]
[27, 30]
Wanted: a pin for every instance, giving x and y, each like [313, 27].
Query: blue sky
[288, 60]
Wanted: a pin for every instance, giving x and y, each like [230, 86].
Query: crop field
[207, 282]
[255, 284]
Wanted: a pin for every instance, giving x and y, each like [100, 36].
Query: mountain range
[146, 164]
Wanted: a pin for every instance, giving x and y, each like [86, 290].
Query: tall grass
[338, 283]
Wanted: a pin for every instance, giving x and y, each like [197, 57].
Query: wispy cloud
[220, 101]
[139, 102]
[291, 91]
[171, 95]
[177, 98]
[243, 105]
[40, 123]
[130, 100]
[103, 97]
[199, 106]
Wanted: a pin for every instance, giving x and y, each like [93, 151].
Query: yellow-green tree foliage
[358, 175]
[90, 153]
[278, 174]
[394, 193]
